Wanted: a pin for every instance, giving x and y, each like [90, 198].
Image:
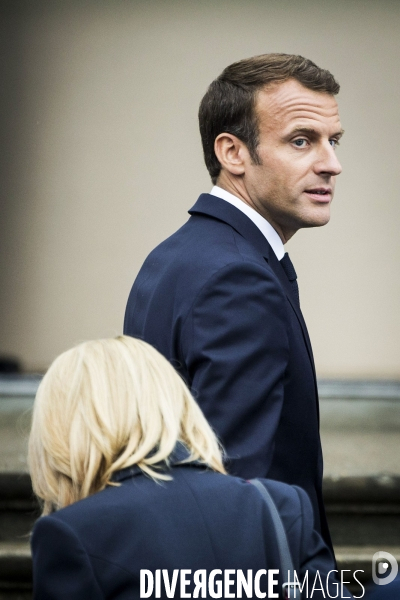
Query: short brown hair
[229, 103]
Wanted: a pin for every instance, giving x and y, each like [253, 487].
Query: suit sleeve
[61, 566]
[235, 344]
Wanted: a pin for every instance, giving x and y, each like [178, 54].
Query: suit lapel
[280, 273]
[223, 211]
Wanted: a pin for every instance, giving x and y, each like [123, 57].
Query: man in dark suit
[219, 298]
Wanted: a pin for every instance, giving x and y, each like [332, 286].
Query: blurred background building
[100, 161]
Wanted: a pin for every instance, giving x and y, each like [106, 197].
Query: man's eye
[300, 143]
[334, 143]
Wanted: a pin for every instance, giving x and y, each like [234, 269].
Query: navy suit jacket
[94, 549]
[214, 299]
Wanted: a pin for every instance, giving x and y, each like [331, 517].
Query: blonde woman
[136, 502]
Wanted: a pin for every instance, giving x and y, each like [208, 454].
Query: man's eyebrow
[314, 133]
[339, 134]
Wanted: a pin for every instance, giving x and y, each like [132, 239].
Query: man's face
[298, 133]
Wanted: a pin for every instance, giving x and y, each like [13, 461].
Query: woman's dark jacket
[94, 549]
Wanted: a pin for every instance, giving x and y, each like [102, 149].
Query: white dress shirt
[266, 228]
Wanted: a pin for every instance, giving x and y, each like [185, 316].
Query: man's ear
[231, 153]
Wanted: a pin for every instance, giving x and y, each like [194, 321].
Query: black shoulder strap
[283, 546]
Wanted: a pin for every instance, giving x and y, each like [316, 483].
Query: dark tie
[291, 275]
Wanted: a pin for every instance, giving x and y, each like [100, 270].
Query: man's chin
[317, 216]
[317, 220]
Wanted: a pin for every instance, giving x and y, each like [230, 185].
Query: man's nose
[327, 161]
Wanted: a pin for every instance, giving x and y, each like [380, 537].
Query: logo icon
[384, 568]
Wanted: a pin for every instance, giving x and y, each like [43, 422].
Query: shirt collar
[266, 228]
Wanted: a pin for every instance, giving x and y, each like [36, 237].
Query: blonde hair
[106, 405]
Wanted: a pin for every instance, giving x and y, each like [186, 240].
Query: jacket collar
[215, 207]
[178, 457]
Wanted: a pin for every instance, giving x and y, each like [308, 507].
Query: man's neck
[234, 187]
[263, 225]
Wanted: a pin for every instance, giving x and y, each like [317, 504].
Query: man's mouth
[320, 191]
[320, 194]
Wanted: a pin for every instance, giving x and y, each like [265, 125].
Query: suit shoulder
[56, 531]
[79, 512]
[289, 499]
[203, 242]
[200, 257]
[193, 256]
